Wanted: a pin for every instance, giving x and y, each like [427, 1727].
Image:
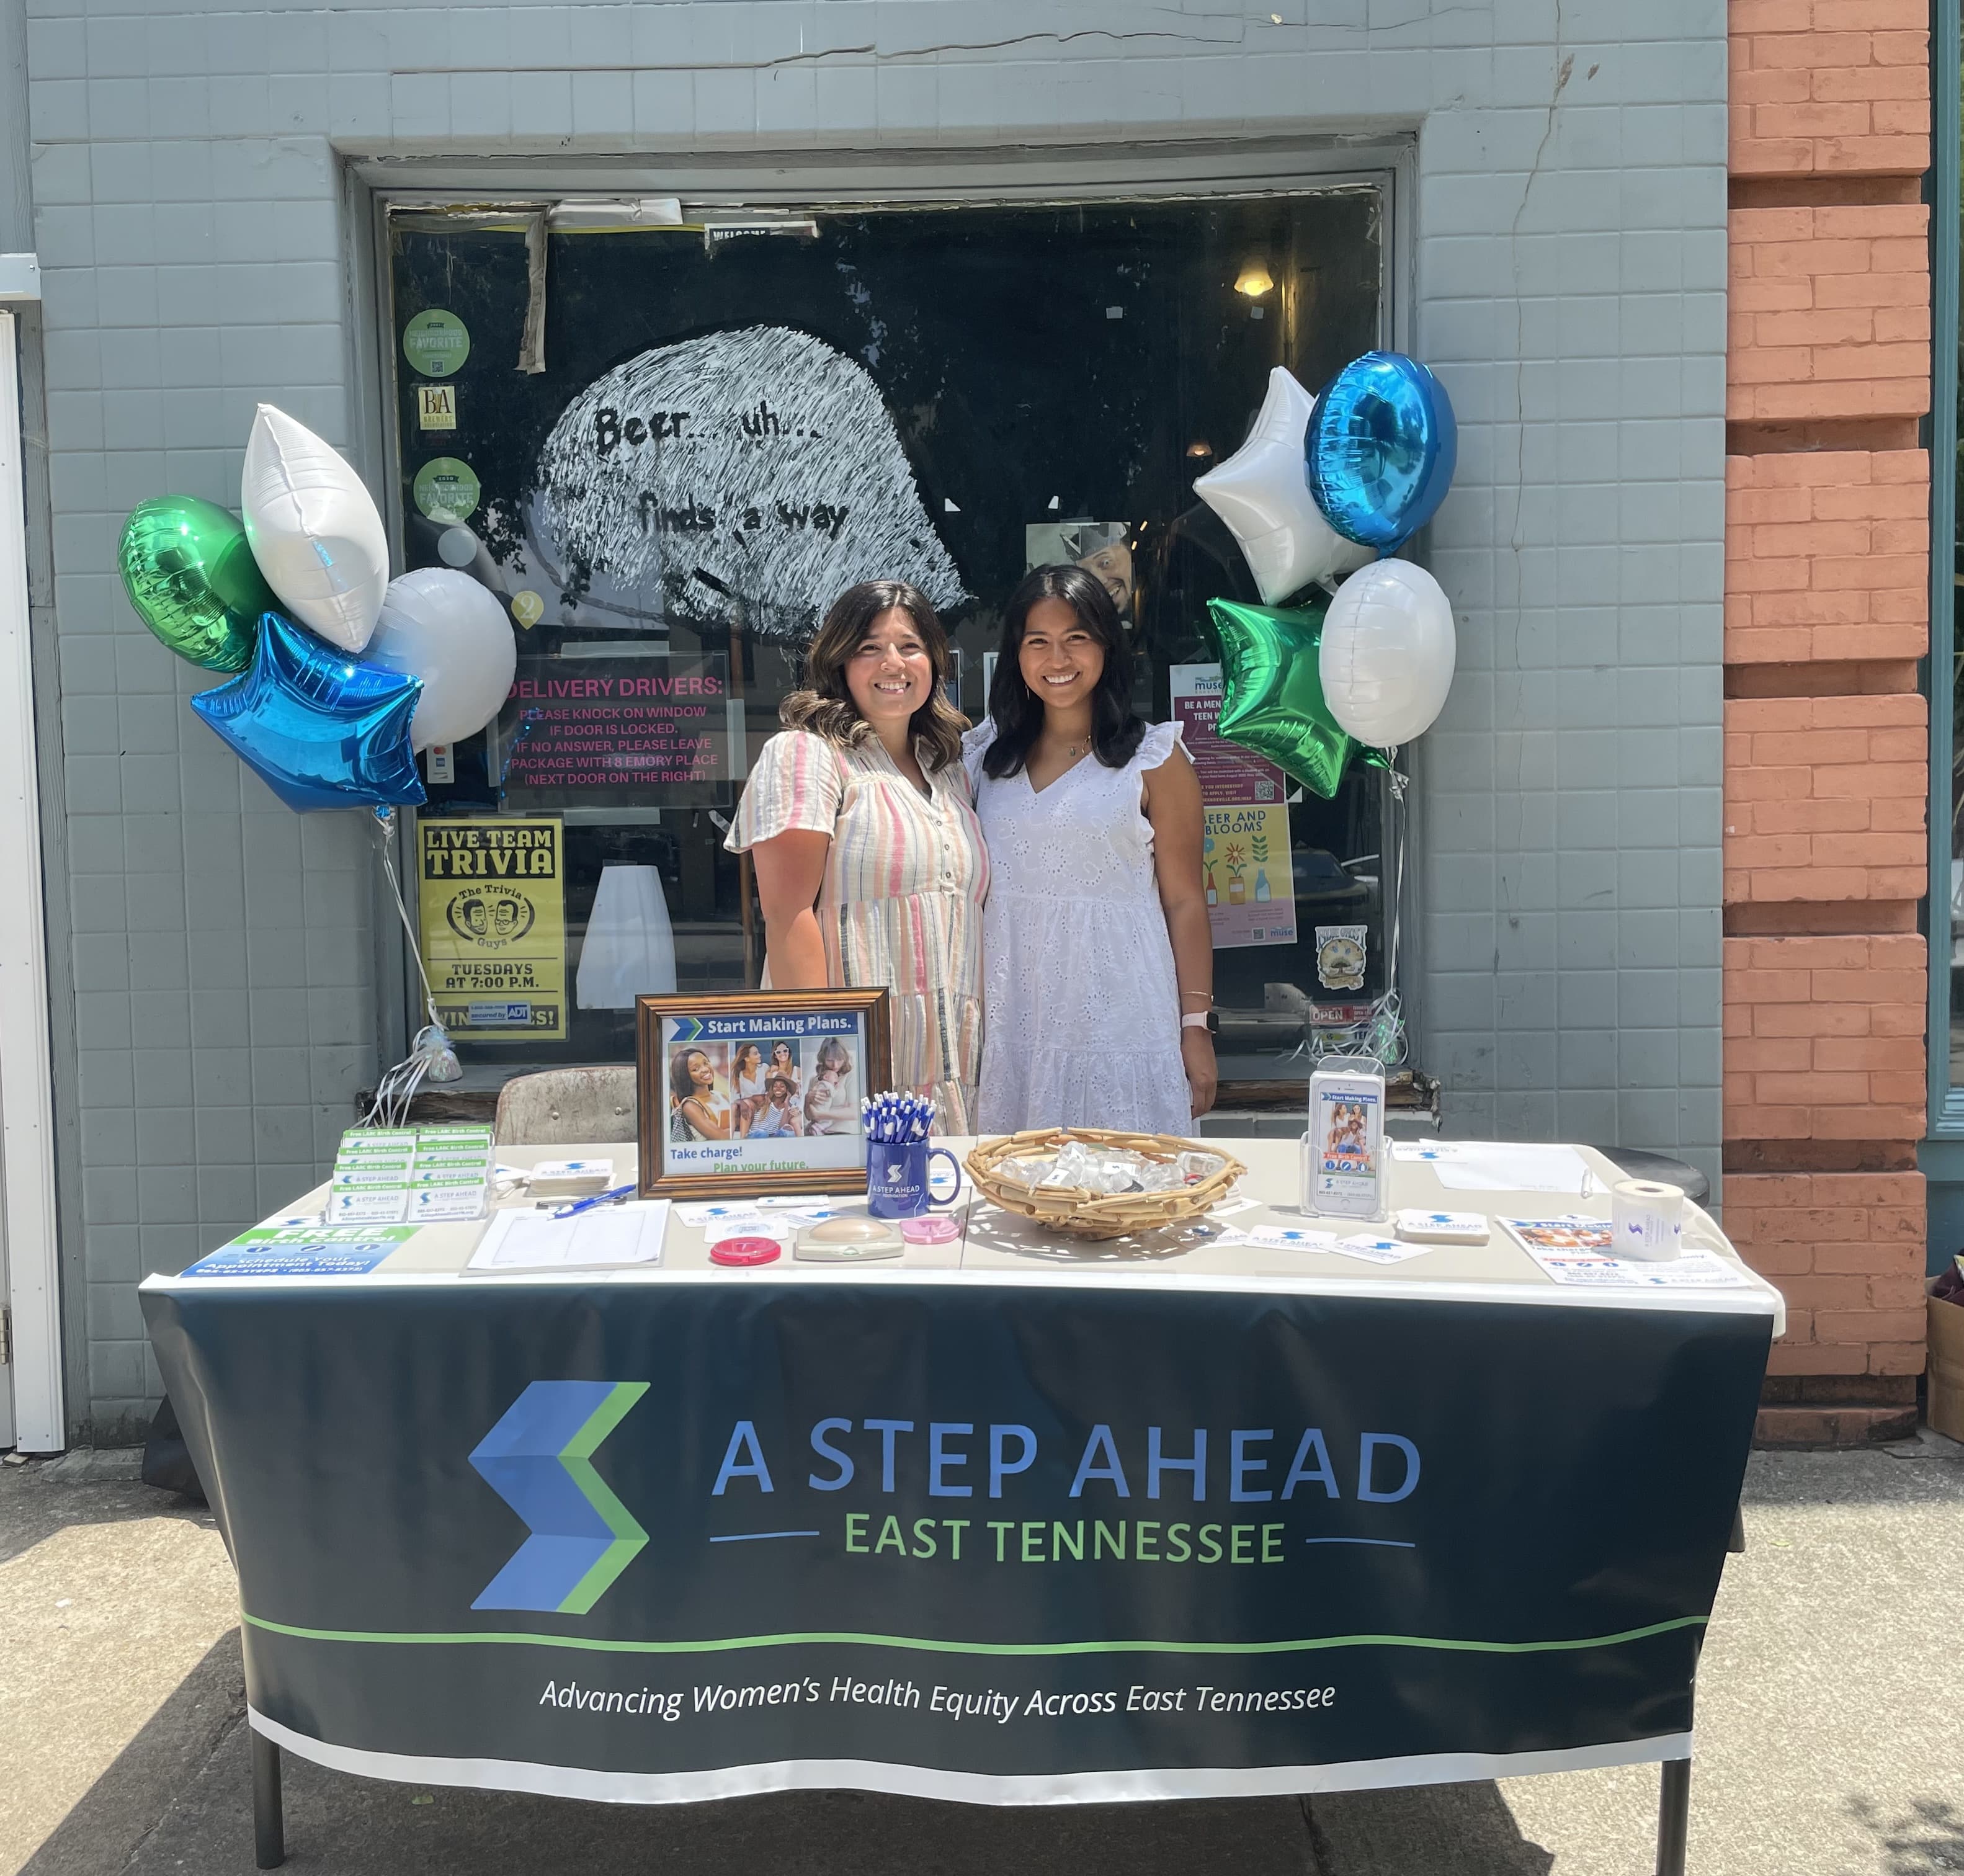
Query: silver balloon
[1388, 653]
[441, 626]
[1261, 493]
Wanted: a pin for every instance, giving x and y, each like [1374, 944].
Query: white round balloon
[315, 530]
[441, 626]
[1262, 493]
[1389, 648]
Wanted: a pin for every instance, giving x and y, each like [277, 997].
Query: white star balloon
[1262, 493]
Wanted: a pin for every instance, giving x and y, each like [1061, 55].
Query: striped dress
[901, 904]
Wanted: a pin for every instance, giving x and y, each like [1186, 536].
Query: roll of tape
[1646, 1219]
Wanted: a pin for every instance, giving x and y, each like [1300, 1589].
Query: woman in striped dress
[869, 860]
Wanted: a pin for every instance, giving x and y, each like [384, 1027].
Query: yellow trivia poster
[493, 908]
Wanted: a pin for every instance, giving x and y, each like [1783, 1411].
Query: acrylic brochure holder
[1344, 1173]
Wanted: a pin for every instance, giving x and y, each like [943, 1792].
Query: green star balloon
[191, 575]
[1272, 692]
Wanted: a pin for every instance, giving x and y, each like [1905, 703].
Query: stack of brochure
[570, 1178]
[419, 1175]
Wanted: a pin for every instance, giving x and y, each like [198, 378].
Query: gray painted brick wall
[1569, 261]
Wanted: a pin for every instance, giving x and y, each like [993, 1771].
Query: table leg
[1673, 1816]
[269, 1825]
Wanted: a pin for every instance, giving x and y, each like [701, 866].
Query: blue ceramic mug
[896, 1178]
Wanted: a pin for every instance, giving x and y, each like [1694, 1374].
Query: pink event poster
[1250, 885]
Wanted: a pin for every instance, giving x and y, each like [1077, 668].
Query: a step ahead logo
[539, 1459]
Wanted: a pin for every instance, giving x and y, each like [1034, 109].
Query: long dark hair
[825, 706]
[1019, 711]
[682, 1083]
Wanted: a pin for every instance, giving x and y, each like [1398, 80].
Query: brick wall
[1825, 799]
[1839, 1246]
[1825, 557]
[1829, 311]
[1824, 1041]
[1827, 87]
[1827, 782]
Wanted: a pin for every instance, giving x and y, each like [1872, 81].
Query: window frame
[954, 179]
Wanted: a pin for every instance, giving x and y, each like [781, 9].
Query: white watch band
[1194, 1020]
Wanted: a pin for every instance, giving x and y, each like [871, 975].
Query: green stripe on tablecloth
[829, 1638]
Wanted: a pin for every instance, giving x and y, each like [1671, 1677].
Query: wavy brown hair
[825, 706]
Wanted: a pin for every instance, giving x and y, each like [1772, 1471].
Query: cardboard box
[1946, 1366]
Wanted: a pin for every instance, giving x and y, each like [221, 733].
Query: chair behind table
[567, 1106]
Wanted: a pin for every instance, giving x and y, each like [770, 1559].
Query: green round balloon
[1272, 692]
[189, 571]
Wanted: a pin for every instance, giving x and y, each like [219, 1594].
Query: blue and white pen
[613, 1196]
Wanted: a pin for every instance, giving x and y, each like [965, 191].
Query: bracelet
[1208, 994]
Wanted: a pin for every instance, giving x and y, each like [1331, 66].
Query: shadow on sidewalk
[33, 1507]
[1423, 1830]
[123, 1808]
[179, 1799]
[1868, 1476]
[1929, 1840]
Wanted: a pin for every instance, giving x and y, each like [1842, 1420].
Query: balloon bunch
[342, 674]
[1321, 488]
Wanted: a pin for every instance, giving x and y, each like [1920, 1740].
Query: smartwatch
[1207, 1019]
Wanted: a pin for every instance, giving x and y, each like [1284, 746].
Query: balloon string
[1390, 1018]
[397, 1091]
[385, 829]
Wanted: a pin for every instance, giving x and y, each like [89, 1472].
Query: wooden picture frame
[723, 1125]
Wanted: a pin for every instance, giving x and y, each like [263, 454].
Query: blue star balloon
[320, 728]
[1380, 449]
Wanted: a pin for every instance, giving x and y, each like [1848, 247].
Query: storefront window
[666, 448]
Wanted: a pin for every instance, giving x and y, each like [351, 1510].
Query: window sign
[491, 905]
[1245, 848]
[620, 730]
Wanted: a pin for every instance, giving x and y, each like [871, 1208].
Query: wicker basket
[1095, 1214]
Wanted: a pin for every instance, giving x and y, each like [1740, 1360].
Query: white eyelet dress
[1080, 1005]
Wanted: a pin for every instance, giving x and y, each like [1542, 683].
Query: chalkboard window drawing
[995, 399]
[760, 462]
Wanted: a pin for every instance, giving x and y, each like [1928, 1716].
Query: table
[1018, 1519]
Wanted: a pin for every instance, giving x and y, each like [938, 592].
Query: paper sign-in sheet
[518, 1240]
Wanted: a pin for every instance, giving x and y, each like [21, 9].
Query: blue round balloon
[321, 729]
[1380, 449]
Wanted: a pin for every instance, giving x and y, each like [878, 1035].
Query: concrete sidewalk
[1830, 1733]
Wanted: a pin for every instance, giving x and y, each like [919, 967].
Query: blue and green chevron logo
[539, 1459]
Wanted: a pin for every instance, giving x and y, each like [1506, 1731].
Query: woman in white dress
[1098, 962]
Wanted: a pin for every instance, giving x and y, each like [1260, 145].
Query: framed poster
[491, 903]
[751, 1092]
